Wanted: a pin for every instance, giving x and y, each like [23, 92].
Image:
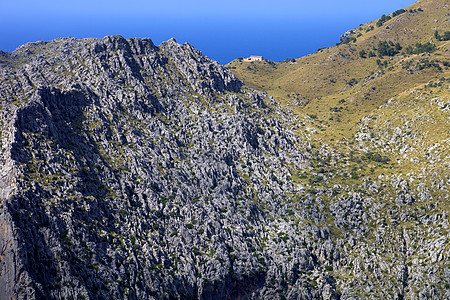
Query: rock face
[136, 171]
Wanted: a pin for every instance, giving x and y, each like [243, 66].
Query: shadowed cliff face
[49, 127]
[136, 171]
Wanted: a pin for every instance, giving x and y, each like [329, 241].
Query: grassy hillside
[337, 86]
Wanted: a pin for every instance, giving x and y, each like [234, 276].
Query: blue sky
[222, 30]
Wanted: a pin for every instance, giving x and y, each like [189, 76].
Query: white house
[255, 58]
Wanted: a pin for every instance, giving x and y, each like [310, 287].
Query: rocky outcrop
[136, 171]
[140, 171]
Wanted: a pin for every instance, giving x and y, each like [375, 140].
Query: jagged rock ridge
[130, 170]
[126, 173]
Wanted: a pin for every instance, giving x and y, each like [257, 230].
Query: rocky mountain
[136, 171]
[375, 106]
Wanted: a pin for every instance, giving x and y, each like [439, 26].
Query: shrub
[195, 251]
[352, 82]
[425, 64]
[383, 20]
[444, 37]
[420, 48]
[387, 48]
[398, 12]
[427, 47]
[362, 53]
[377, 157]
[354, 175]
[315, 179]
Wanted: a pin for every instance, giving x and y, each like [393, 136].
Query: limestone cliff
[136, 171]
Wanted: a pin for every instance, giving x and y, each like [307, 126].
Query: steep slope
[137, 171]
[316, 84]
[380, 125]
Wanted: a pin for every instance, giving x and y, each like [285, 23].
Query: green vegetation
[388, 48]
[381, 63]
[362, 53]
[398, 12]
[383, 19]
[371, 54]
[444, 37]
[420, 48]
[377, 157]
[376, 62]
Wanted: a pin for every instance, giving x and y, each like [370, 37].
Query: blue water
[223, 38]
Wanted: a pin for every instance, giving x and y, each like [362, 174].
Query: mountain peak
[136, 171]
[140, 134]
